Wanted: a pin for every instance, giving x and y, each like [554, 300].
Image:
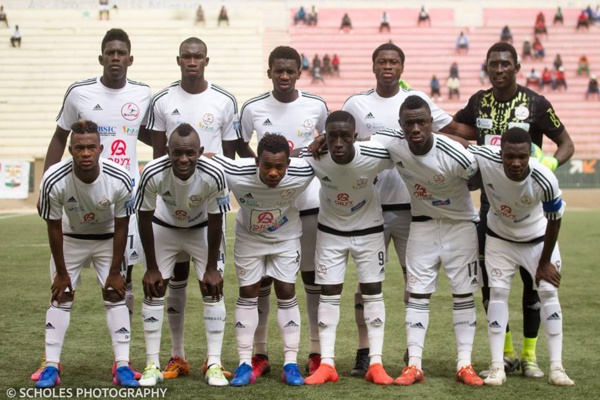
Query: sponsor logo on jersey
[71, 200]
[205, 127]
[301, 133]
[175, 112]
[134, 255]
[97, 108]
[181, 215]
[420, 192]
[291, 144]
[285, 203]
[130, 131]
[375, 126]
[439, 203]
[369, 116]
[196, 217]
[506, 211]
[249, 201]
[343, 200]
[223, 200]
[277, 224]
[107, 130]
[360, 184]
[89, 218]
[118, 148]
[358, 206]
[130, 111]
[267, 122]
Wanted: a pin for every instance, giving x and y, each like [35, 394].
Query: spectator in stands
[557, 62]
[453, 85]
[313, 16]
[583, 20]
[583, 65]
[385, 22]
[335, 63]
[560, 79]
[346, 24]
[527, 50]
[538, 49]
[547, 78]
[462, 43]
[316, 63]
[424, 16]
[597, 14]
[434, 84]
[453, 70]
[539, 28]
[506, 35]
[326, 64]
[317, 76]
[200, 15]
[3, 16]
[483, 73]
[103, 9]
[558, 16]
[590, 13]
[223, 16]
[15, 39]
[592, 87]
[305, 62]
[533, 78]
[300, 16]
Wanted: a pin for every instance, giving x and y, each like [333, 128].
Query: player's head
[183, 148]
[115, 58]
[85, 146]
[502, 66]
[388, 64]
[192, 58]
[284, 69]
[515, 149]
[417, 123]
[273, 159]
[340, 134]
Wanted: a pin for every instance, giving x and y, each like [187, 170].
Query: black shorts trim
[360, 232]
[532, 241]
[162, 223]
[395, 207]
[311, 211]
[103, 236]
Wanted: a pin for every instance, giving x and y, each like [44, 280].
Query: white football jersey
[213, 114]
[297, 121]
[436, 181]
[518, 210]
[86, 208]
[266, 214]
[348, 199]
[373, 113]
[178, 203]
[119, 114]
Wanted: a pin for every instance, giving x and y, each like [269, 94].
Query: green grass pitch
[87, 354]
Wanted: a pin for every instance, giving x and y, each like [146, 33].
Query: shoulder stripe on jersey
[155, 98]
[49, 183]
[390, 132]
[137, 83]
[315, 97]
[301, 171]
[545, 184]
[453, 153]
[147, 174]
[365, 93]
[234, 169]
[486, 153]
[85, 82]
[375, 153]
[254, 100]
[119, 174]
[226, 93]
[216, 173]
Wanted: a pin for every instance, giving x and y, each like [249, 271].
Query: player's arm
[158, 141]
[114, 279]
[212, 280]
[61, 281]
[57, 146]
[144, 135]
[244, 150]
[546, 270]
[152, 281]
[460, 130]
[565, 147]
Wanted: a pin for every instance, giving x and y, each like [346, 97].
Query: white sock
[417, 321]
[119, 327]
[375, 321]
[58, 317]
[551, 316]
[264, 307]
[329, 318]
[129, 300]
[359, 317]
[497, 319]
[152, 320]
[246, 321]
[176, 302]
[288, 319]
[214, 324]
[464, 320]
[313, 292]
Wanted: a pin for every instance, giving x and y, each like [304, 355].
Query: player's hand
[549, 273]
[117, 283]
[316, 147]
[152, 283]
[59, 286]
[212, 283]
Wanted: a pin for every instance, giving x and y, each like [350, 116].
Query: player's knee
[370, 288]
[111, 296]
[181, 271]
[249, 291]
[285, 290]
[308, 277]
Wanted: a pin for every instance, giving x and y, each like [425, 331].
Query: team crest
[103, 204]
[195, 200]
[208, 119]
[308, 124]
[321, 271]
[496, 273]
[439, 179]
[130, 111]
[522, 113]
[526, 200]
[287, 193]
[360, 184]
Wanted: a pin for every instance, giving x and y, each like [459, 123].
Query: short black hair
[515, 136]
[285, 53]
[84, 126]
[273, 143]
[196, 40]
[341, 116]
[116, 34]
[414, 102]
[503, 47]
[388, 46]
[184, 130]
